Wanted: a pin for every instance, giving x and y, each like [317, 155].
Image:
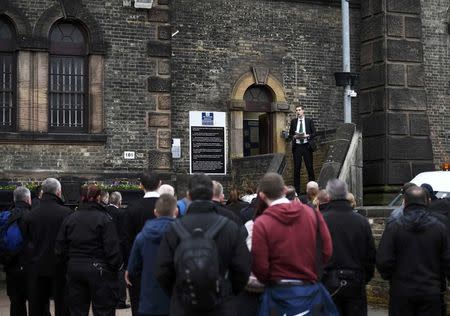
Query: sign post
[207, 134]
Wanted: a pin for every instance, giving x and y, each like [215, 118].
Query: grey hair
[115, 198]
[312, 185]
[217, 189]
[337, 189]
[21, 194]
[51, 185]
[166, 189]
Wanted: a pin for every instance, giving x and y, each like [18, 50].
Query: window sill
[60, 138]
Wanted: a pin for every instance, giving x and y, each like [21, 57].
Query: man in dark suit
[48, 273]
[134, 219]
[302, 133]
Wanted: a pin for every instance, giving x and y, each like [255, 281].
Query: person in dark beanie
[88, 245]
[41, 228]
[413, 255]
[134, 219]
[352, 264]
[232, 268]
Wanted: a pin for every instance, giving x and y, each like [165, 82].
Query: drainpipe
[346, 59]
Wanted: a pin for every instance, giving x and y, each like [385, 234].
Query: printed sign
[207, 142]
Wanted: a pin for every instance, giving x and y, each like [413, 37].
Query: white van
[439, 181]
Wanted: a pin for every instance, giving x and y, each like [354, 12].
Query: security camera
[352, 93]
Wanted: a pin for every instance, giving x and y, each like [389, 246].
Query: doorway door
[257, 124]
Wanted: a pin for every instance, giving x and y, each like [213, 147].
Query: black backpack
[199, 282]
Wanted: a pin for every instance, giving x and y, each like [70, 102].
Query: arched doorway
[257, 121]
[258, 104]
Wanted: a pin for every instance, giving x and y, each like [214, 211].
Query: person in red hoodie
[285, 253]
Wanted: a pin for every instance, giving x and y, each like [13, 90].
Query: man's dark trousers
[41, 288]
[87, 285]
[302, 151]
[135, 293]
[424, 305]
[351, 301]
[16, 289]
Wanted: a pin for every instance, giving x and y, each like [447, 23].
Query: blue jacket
[142, 260]
[306, 300]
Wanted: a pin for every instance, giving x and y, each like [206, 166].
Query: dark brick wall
[127, 101]
[300, 42]
[436, 38]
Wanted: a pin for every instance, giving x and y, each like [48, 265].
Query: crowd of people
[277, 254]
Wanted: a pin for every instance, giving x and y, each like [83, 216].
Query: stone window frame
[8, 50]
[32, 123]
[69, 86]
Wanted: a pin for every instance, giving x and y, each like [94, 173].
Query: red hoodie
[284, 243]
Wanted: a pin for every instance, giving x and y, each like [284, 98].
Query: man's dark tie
[300, 130]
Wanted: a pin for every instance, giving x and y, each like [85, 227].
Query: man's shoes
[123, 306]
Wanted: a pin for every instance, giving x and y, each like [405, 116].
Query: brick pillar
[396, 134]
[159, 85]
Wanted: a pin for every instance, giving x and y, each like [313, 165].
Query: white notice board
[207, 141]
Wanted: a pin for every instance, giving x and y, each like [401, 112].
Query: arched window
[7, 75]
[68, 78]
[258, 98]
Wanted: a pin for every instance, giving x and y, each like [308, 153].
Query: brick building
[85, 81]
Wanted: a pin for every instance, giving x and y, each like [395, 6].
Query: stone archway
[277, 111]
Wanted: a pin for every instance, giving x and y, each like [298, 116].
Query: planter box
[6, 198]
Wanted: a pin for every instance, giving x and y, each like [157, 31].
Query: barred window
[68, 79]
[7, 76]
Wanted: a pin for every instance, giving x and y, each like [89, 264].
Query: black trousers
[41, 288]
[425, 305]
[121, 288]
[88, 284]
[302, 151]
[248, 303]
[16, 289]
[135, 292]
[351, 301]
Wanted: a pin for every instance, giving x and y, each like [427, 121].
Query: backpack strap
[319, 245]
[216, 227]
[181, 231]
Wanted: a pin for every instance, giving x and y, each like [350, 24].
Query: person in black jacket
[413, 254]
[41, 228]
[113, 209]
[134, 219]
[218, 198]
[234, 257]
[88, 244]
[16, 278]
[352, 264]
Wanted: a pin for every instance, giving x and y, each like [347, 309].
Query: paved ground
[4, 308]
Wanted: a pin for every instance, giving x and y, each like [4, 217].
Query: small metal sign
[129, 155]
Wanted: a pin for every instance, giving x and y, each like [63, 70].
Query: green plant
[32, 186]
[116, 185]
[8, 187]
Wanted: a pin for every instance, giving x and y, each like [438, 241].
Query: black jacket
[233, 252]
[134, 219]
[89, 235]
[413, 253]
[19, 212]
[353, 244]
[222, 210]
[309, 129]
[41, 228]
[117, 216]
